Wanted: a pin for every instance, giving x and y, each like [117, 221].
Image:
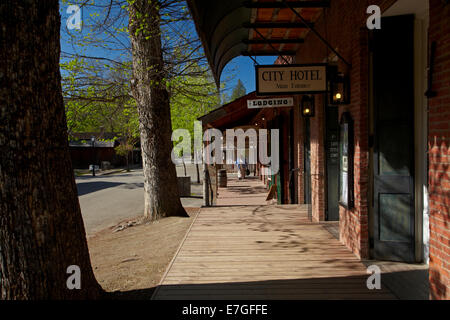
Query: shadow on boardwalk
[336, 288]
[248, 191]
[244, 249]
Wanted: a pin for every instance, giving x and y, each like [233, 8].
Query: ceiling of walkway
[231, 28]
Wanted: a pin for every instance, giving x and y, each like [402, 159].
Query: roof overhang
[230, 115]
[232, 28]
[236, 114]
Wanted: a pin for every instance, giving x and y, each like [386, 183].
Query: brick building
[391, 195]
[83, 152]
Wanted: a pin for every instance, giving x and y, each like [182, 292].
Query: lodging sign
[286, 79]
[270, 103]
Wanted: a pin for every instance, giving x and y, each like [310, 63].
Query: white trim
[420, 138]
[420, 8]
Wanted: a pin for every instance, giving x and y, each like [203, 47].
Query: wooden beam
[294, 4]
[278, 25]
[273, 41]
[288, 5]
[268, 53]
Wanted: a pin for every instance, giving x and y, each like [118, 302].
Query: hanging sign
[286, 79]
[270, 103]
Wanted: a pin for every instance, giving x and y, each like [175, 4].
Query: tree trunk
[149, 90]
[41, 228]
[132, 155]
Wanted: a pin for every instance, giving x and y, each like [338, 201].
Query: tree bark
[161, 196]
[41, 228]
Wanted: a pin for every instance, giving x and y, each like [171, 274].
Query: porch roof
[231, 115]
[232, 28]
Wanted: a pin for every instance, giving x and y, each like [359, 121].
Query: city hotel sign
[288, 79]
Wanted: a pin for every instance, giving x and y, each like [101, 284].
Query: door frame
[421, 216]
[397, 184]
[421, 137]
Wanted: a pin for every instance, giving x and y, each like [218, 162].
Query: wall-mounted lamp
[339, 89]
[308, 106]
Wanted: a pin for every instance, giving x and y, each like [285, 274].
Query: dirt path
[133, 260]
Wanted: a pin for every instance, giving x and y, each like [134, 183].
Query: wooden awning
[231, 28]
[230, 115]
[236, 114]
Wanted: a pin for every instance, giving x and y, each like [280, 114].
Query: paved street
[107, 200]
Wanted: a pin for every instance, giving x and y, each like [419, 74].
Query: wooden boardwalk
[263, 252]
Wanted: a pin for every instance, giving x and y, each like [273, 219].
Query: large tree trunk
[149, 89]
[41, 229]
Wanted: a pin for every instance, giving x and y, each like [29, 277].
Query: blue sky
[244, 69]
[240, 68]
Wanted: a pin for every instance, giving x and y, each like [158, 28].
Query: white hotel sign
[285, 79]
[270, 103]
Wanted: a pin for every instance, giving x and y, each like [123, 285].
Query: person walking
[241, 168]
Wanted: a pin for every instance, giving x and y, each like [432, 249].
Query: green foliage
[192, 97]
[96, 98]
[96, 84]
[238, 91]
[124, 149]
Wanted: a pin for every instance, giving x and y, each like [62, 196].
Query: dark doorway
[393, 157]
[332, 156]
[307, 162]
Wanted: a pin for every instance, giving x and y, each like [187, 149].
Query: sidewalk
[84, 172]
[248, 191]
[243, 249]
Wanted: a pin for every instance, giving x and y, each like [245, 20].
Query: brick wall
[346, 31]
[299, 152]
[439, 154]
[354, 226]
[298, 144]
[353, 46]
[318, 193]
